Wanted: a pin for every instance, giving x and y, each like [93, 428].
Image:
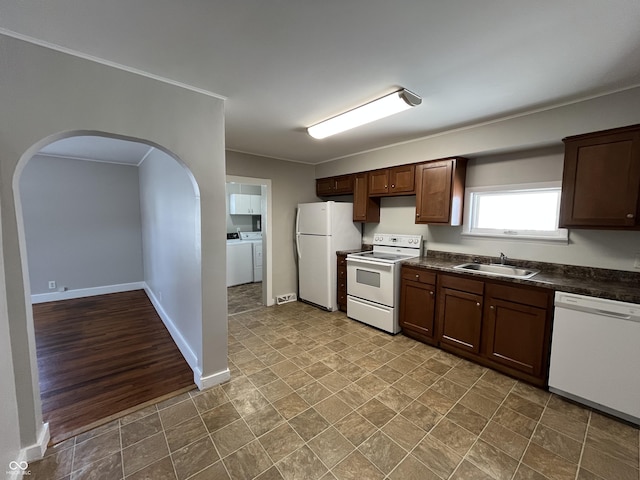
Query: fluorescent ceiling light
[380, 108]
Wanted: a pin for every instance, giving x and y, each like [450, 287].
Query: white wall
[292, 183]
[518, 150]
[48, 95]
[10, 446]
[171, 244]
[82, 223]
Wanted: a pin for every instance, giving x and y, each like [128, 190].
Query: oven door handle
[356, 261]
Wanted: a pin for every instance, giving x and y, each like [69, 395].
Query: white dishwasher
[595, 354]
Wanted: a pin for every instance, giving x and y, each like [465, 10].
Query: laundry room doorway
[249, 244]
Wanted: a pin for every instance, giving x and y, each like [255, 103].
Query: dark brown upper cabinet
[365, 208]
[392, 181]
[601, 180]
[440, 191]
[340, 185]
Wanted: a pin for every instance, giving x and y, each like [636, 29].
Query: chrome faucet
[503, 258]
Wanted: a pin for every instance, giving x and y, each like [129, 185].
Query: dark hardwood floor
[101, 356]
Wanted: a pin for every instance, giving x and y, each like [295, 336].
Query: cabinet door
[459, 319]
[325, 186]
[365, 208]
[239, 204]
[440, 191]
[514, 335]
[379, 182]
[601, 181]
[402, 179]
[256, 204]
[417, 307]
[343, 185]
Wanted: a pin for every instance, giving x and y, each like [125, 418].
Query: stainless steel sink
[498, 270]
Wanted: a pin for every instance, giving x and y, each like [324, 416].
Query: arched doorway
[90, 241]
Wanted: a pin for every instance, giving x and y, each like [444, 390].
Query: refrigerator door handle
[298, 232]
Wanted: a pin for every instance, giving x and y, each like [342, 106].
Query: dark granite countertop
[596, 282]
[347, 252]
[364, 248]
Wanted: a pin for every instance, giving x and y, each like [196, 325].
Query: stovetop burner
[391, 248]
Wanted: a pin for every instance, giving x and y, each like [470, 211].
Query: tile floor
[315, 395]
[244, 298]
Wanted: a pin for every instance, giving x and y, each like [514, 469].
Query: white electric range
[373, 280]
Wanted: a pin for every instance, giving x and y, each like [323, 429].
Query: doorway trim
[267, 290]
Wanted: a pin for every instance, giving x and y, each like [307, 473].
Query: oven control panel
[393, 240]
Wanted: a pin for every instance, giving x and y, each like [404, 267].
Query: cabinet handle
[492, 307]
[385, 186]
[629, 215]
[393, 186]
[478, 304]
[417, 214]
[431, 293]
[417, 276]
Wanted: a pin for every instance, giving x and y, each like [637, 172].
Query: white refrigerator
[322, 228]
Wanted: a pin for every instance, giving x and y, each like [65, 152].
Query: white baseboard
[182, 344]
[36, 451]
[210, 380]
[86, 292]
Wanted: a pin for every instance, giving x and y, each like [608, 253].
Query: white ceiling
[99, 149]
[286, 64]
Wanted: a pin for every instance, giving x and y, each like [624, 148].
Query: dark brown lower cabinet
[418, 304]
[502, 326]
[460, 312]
[342, 283]
[516, 328]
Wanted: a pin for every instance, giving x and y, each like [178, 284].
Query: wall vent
[286, 298]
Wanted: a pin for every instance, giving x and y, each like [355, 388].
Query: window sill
[562, 240]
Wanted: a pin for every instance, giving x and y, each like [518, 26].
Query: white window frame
[561, 235]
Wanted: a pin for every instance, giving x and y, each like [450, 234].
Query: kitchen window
[527, 212]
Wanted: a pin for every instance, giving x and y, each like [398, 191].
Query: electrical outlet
[52, 284]
[637, 262]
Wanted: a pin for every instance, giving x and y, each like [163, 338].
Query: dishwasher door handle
[620, 316]
[597, 306]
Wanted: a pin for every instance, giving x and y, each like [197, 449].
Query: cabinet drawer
[418, 275]
[522, 295]
[342, 274]
[460, 283]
